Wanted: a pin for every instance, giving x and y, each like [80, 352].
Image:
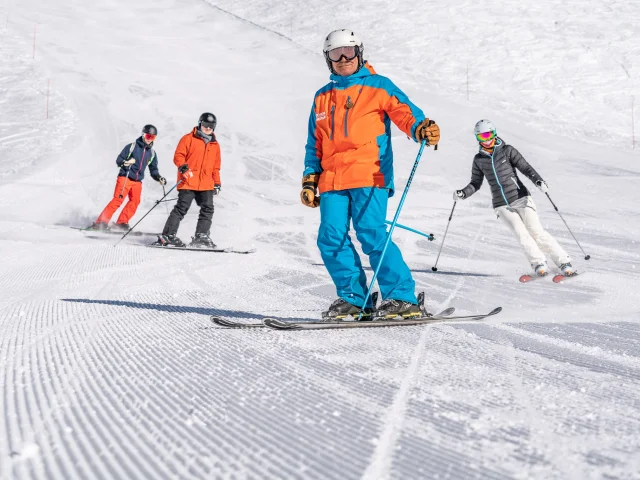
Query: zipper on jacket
[333, 120]
[204, 156]
[493, 166]
[346, 117]
[144, 150]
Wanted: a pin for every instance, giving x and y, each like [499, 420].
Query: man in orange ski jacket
[349, 175]
[197, 157]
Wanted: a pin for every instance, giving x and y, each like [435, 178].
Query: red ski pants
[125, 187]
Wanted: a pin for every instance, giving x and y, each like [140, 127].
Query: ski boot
[99, 226]
[341, 309]
[390, 309]
[169, 241]
[121, 227]
[202, 240]
[568, 270]
[541, 270]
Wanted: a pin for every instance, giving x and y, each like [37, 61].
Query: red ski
[526, 278]
[560, 277]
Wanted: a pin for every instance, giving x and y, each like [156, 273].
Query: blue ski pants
[367, 209]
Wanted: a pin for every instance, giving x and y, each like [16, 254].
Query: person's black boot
[341, 309]
[168, 241]
[202, 240]
[124, 227]
[390, 309]
[100, 226]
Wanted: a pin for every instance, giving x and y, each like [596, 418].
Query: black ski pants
[204, 199]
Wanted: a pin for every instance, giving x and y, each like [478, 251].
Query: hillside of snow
[110, 365]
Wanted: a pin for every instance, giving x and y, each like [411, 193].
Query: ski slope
[110, 367]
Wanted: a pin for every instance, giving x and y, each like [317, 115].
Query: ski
[283, 325]
[224, 322]
[561, 277]
[114, 232]
[526, 278]
[214, 250]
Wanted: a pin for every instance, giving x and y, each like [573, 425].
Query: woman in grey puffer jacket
[512, 202]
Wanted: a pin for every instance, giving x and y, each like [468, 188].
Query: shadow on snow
[211, 311]
[439, 272]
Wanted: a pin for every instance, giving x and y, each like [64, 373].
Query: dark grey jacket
[500, 170]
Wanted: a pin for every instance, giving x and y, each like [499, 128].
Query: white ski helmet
[484, 126]
[343, 38]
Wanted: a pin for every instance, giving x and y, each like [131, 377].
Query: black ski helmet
[150, 129]
[208, 119]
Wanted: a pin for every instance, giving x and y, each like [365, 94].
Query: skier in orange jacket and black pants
[198, 160]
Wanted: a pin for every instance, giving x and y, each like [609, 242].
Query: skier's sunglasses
[207, 125]
[349, 53]
[150, 137]
[485, 136]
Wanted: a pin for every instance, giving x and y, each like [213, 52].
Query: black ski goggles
[349, 53]
[208, 125]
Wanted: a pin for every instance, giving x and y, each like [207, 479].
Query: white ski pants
[535, 241]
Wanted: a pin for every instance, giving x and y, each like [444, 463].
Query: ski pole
[586, 257]
[393, 226]
[125, 183]
[167, 200]
[157, 203]
[428, 235]
[165, 194]
[435, 268]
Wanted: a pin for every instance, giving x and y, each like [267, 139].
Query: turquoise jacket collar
[343, 82]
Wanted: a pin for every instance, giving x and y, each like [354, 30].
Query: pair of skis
[280, 324]
[205, 249]
[526, 278]
[191, 249]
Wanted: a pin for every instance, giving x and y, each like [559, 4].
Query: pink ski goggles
[486, 136]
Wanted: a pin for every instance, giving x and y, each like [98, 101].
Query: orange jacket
[349, 137]
[203, 160]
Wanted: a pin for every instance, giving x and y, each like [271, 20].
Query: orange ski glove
[309, 187]
[429, 130]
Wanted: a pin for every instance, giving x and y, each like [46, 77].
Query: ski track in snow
[110, 366]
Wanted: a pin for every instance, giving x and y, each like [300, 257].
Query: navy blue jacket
[142, 154]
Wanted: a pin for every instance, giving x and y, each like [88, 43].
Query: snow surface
[110, 365]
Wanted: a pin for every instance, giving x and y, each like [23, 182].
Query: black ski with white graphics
[283, 325]
[196, 249]
[225, 322]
